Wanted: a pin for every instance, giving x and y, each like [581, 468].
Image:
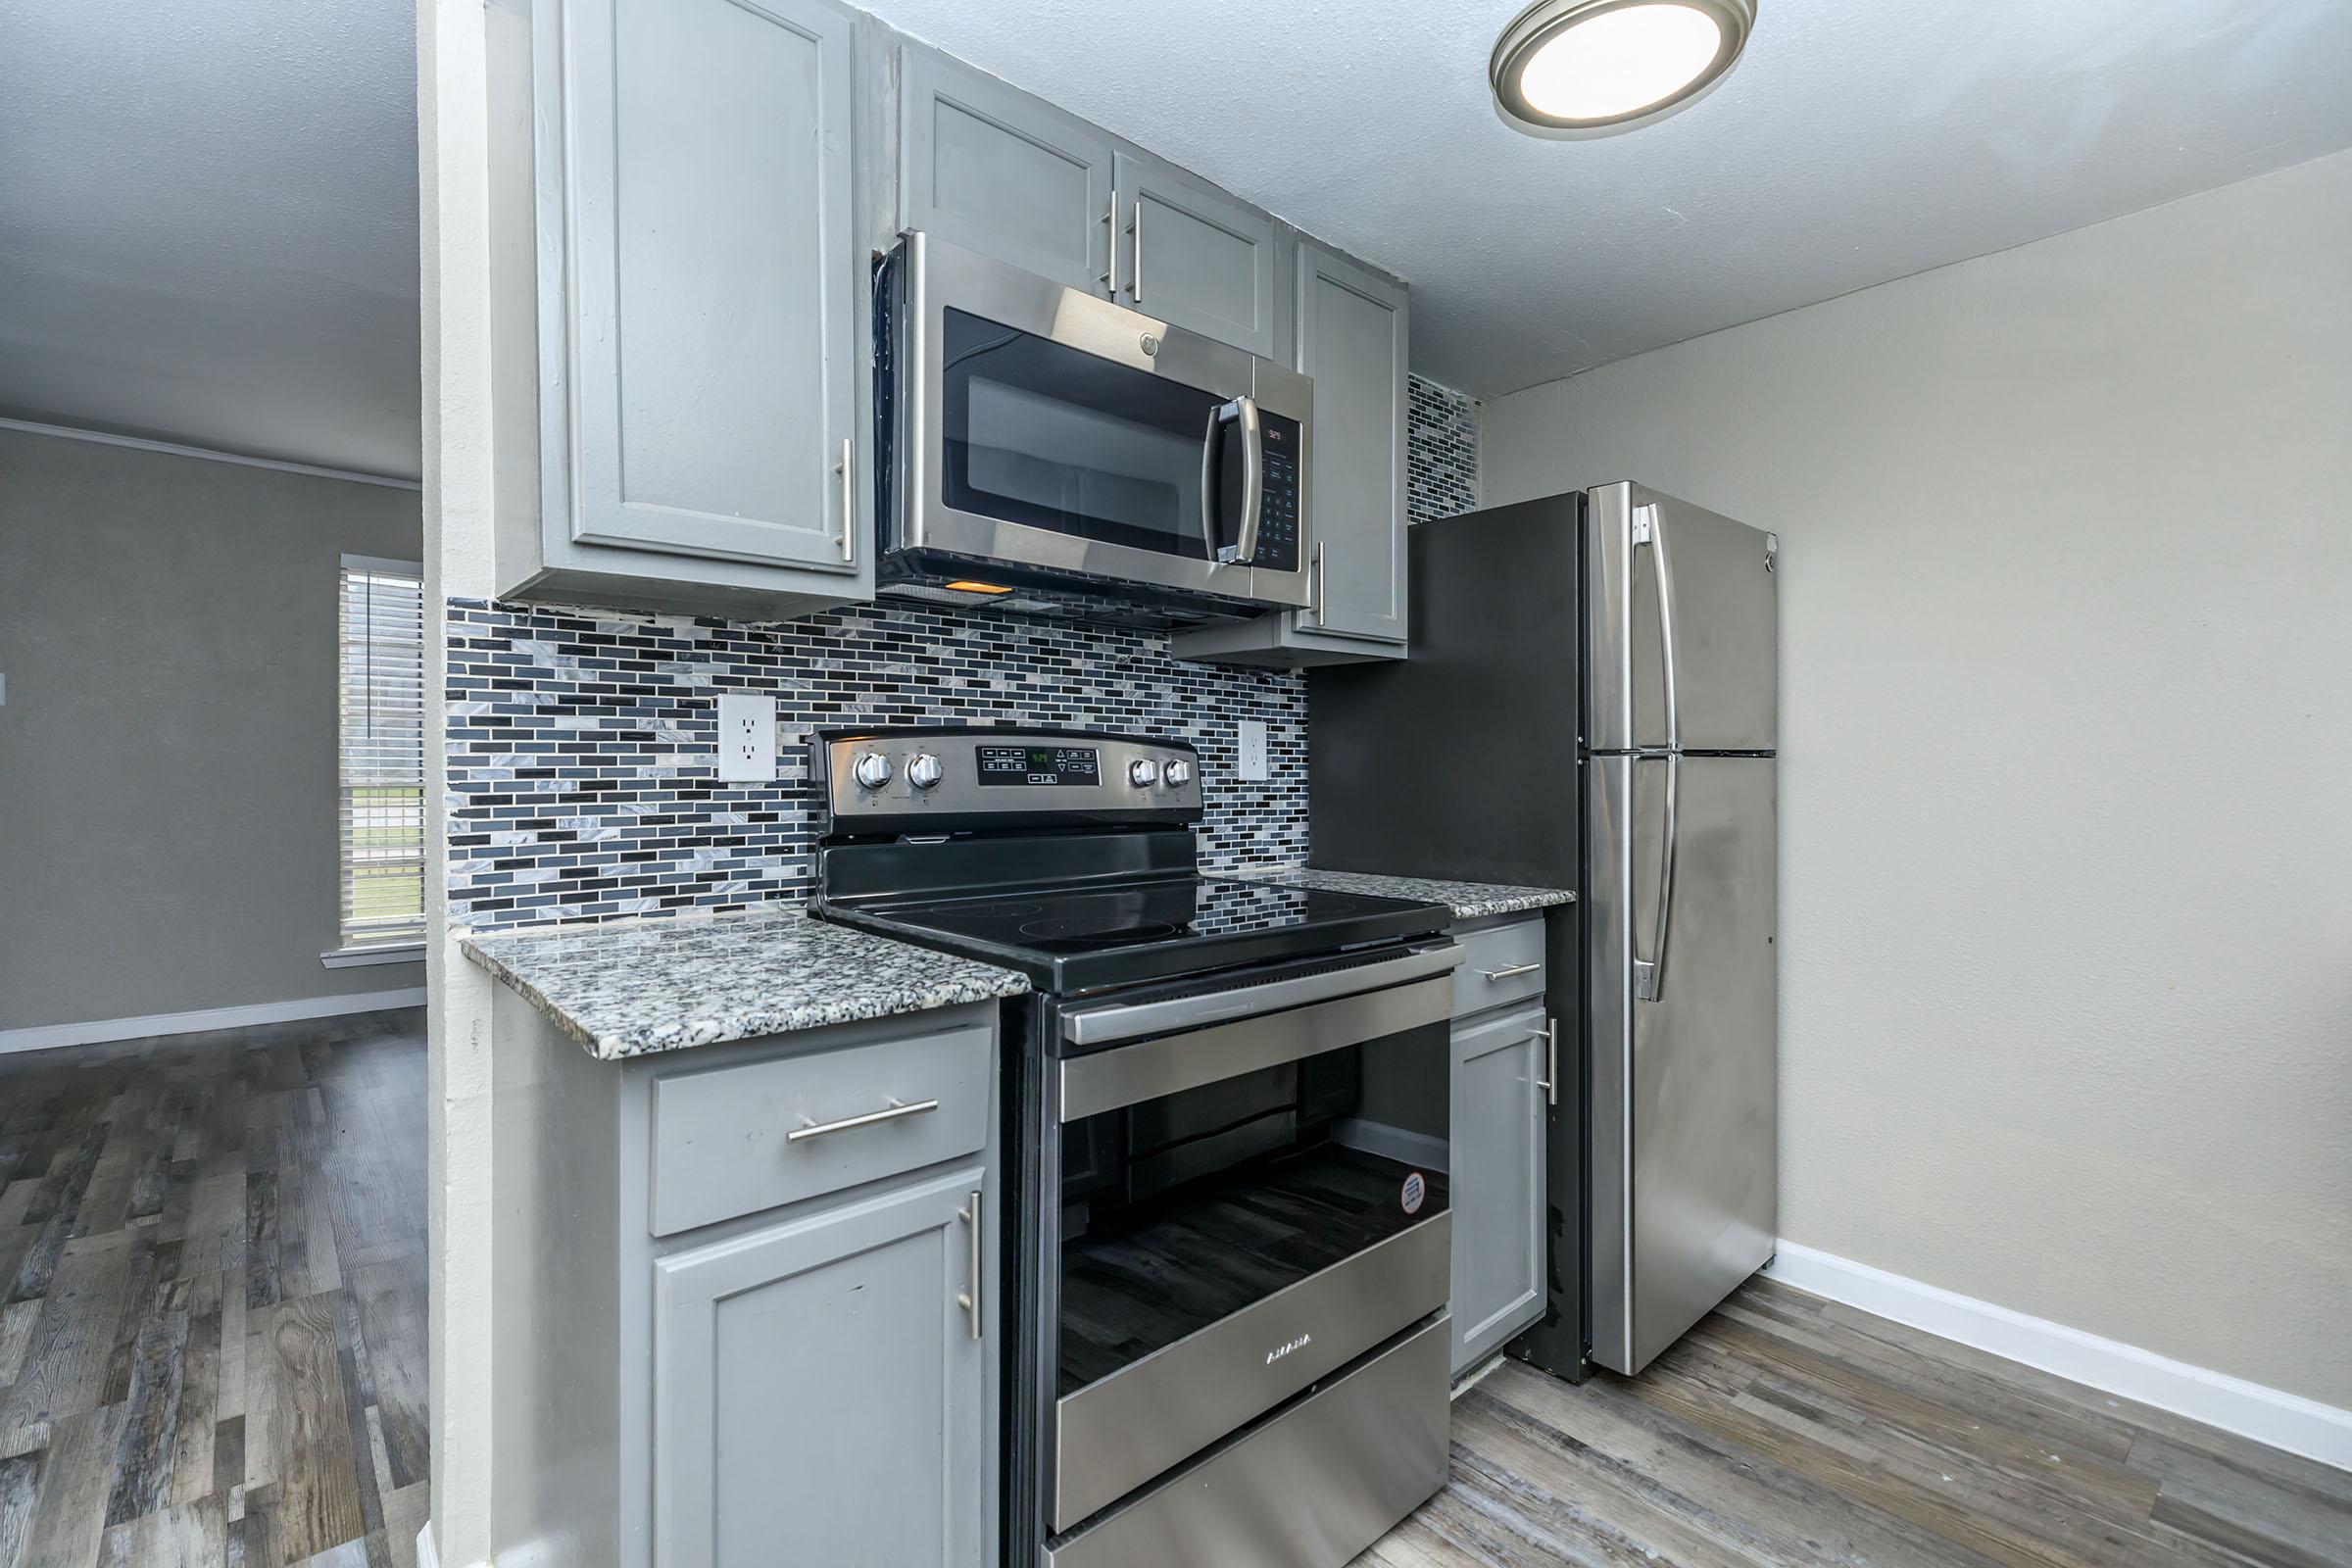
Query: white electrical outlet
[1254, 769]
[747, 735]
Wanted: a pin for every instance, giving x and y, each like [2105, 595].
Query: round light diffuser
[1590, 68]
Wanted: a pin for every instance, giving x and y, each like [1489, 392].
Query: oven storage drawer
[1114, 1435]
[723, 1142]
[1310, 1489]
[1502, 963]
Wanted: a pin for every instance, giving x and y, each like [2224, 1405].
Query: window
[382, 761]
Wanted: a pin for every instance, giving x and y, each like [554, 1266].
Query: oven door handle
[1098, 1026]
[1170, 1064]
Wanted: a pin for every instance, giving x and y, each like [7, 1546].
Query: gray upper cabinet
[989, 167]
[1193, 257]
[698, 287]
[1352, 328]
[821, 1393]
[1498, 1181]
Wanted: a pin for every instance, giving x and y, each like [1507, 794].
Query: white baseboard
[426, 1557]
[51, 1035]
[2268, 1415]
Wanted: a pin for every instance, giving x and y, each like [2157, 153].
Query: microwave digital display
[1040, 765]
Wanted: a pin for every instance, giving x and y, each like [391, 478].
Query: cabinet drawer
[722, 1138]
[1500, 964]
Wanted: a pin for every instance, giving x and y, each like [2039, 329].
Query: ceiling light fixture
[1570, 68]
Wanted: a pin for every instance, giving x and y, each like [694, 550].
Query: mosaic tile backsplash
[1441, 459]
[581, 742]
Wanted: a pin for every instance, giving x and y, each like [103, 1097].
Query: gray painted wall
[2066, 662]
[168, 744]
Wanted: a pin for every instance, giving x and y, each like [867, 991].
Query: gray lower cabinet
[1499, 1064]
[820, 1393]
[719, 1345]
[1194, 257]
[1352, 330]
[987, 167]
[692, 300]
[1503, 1061]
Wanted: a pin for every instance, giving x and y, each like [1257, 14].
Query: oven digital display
[1040, 765]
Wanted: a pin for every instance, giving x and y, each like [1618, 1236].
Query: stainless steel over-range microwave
[1044, 449]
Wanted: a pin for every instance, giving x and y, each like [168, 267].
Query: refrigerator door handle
[1650, 974]
[1650, 528]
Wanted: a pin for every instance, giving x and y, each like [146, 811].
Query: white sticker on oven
[1416, 1191]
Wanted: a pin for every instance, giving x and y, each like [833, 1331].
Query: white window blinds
[382, 706]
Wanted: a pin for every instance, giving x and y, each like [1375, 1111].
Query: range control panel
[904, 781]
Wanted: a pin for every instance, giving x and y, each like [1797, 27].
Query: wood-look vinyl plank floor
[213, 1351]
[213, 1300]
[1787, 1431]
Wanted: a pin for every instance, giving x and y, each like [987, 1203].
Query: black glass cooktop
[1069, 938]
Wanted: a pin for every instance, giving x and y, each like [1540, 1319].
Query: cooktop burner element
[1081, 934]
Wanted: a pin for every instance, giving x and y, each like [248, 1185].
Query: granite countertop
[630, 988]
[1469, 901]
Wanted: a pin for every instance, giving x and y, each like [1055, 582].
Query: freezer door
[1683, 611]
[1684, 1084]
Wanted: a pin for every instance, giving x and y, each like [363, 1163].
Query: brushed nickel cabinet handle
[1111, 229]
[898, 1108]
[1549, 1083]
[969, 1301]
[849, 506]
[1135, 254]
[1509, 970]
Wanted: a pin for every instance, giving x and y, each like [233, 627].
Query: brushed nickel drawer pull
[1511, 971]
[872, 1118]
[969, 1301]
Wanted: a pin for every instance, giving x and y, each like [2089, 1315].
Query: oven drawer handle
[873, 1118]
[1511, 971]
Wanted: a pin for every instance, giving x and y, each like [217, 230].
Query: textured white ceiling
[208, 224]
[1858, 140]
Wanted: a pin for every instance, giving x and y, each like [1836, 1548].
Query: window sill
[388, 953]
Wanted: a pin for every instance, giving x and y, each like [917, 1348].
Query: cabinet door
[819, 1395]
[989, 167]
[711, 306]
[1500, 1067]
[1193, 255]
[1351, 339]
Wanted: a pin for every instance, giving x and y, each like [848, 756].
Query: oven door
[1050, 430]
[1251, 1195]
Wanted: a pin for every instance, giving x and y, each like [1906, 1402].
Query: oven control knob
[1178, 772]
[871, 769]
[1143, 772]
[923, 771]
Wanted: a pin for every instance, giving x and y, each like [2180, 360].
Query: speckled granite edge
[634, 988]
[1469, 901]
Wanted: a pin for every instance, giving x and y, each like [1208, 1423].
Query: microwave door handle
[1244, 411]
[1254, 476]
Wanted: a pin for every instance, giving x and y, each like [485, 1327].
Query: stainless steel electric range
[1226, 1116]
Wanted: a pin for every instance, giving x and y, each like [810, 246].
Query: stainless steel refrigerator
[1591, 701]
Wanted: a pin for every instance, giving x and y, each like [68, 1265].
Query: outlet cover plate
[1255, 768]
[747, 736]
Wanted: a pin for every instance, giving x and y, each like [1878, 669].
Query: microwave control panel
[1278, 517]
